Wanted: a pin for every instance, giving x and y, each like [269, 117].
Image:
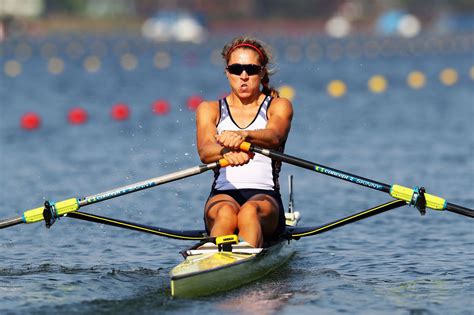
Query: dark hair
[263, 53]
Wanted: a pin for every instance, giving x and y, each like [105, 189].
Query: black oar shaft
[322, 169]
[395, 191]
[460, 210]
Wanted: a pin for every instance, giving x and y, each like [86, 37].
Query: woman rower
[245, 197]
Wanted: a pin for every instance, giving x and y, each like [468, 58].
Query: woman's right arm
[206, 117]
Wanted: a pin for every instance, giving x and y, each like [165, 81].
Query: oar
[50, 211]
[411, 196]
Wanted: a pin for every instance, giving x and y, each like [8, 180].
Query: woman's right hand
[231, 139]
[237, 158]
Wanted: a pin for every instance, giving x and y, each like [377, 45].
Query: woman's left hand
[231, 139]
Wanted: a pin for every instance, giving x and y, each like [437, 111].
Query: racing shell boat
[227, 264]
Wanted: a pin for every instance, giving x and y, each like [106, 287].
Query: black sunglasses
[238, 68]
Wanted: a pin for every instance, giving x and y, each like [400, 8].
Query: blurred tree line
[247, 9]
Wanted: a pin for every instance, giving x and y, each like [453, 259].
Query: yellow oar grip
[245, 146]
[404, 193]
[62, 207]
[223, 163]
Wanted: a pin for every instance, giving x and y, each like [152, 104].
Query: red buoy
[77, 116]
[194, 101]
[30, 121]
[160, 107]
[120, 111]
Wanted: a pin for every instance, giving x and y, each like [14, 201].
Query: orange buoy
[30, 121]
[77, 116]
[120, 111]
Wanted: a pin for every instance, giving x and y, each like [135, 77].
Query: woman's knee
[263, 210]
[249, 209]
[226, 212]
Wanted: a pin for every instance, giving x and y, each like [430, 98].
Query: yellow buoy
[448, 76]
[92, 64]
[336, 88]
[471, 73]
[128, 62]
[416, 80]
[162, 60]
[55, 65]
[377, 84]
[12, 68]
[287, 91]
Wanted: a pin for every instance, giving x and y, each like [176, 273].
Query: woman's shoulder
[208, 107]
[281, 102]
[280, 107]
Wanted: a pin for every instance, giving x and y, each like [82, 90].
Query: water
[394, 263]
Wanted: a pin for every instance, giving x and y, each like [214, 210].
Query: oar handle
[246, 146]
[223, 162]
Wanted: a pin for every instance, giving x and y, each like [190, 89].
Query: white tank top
[261, 172]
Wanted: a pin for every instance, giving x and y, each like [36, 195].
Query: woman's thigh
[267, 210]
[220, 204]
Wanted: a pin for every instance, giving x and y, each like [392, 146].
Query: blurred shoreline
[64, 25]
[198, 20]
[71, 24]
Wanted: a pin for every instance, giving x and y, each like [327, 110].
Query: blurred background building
[195, 20]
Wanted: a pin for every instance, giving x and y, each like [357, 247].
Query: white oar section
[55, 210]
[147, 184]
